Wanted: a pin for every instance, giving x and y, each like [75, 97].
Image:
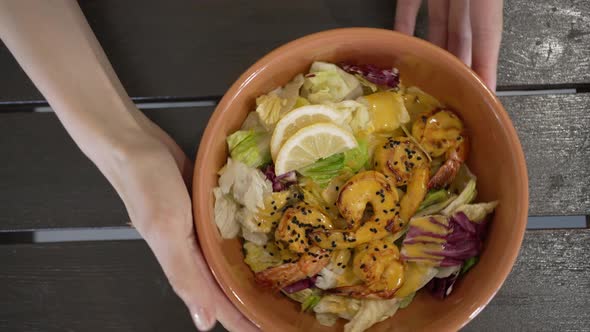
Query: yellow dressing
[426, 225]
[414, 279]
[387, 110]
[422, 249]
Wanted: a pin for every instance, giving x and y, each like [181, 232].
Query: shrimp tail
[447, 172]
[286, 274]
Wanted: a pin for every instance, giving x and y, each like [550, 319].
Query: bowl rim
[202, 221]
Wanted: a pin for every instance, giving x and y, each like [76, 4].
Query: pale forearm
[53, 43]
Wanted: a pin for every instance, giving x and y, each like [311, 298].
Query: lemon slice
[311, 143]
[300, 118]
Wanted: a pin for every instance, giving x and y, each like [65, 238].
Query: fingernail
[203, 319]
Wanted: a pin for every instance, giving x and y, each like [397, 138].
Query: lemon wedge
[298, 119]
[312, 143]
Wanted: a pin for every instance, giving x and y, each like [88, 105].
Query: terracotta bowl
[496, 158]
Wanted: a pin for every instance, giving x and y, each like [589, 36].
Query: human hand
[471, 30]
[150, 172]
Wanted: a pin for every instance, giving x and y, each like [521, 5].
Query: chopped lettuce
[290, 93]
[326, 279]
[226, 214]
[324, 170]
[269, 108]
[248, 185]
[370, 313]
[326, 82]
[259, 259]
[252, 122]
[368, 86]
[345, 307]
[326, 319]
[467, 196]
[310, 302]
[250, 147]
[469, 263]
[416, 275]
[477, 212]
[434, 197]
[255, 237]
[435, 208]
[274, 105]
[300, 102]
[444, 272]
[405, 302]
[355, 115]
[301, 295]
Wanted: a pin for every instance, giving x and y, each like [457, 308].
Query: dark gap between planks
[29, 106]
[129, 234]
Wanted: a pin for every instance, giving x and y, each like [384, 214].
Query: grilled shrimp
[405, 165]
[292, 231]
[308, 265]
[379, 266]
[397, 158]
[441, 132]
[364, 188]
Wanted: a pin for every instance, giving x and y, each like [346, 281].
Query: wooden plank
[118, 286]
[548, 288]
[554, 133]
[46, 182]
[198, 48]
[94, 286]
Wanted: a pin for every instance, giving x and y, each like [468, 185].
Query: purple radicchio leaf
[282, 182]
[300, 285]
[381, 76]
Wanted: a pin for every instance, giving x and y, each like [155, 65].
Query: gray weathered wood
[94, 286]
[554, 131]
[46, 181]
[198, 48]
[118, 286]
[548, 288]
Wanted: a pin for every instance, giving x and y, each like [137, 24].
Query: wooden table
[190, 51]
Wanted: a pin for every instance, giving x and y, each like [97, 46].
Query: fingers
[438, 13]
[190, 278]
[486, 27]
[186, 271]
[405, 16]
[459, 30]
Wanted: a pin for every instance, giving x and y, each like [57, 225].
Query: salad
[351, 194]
